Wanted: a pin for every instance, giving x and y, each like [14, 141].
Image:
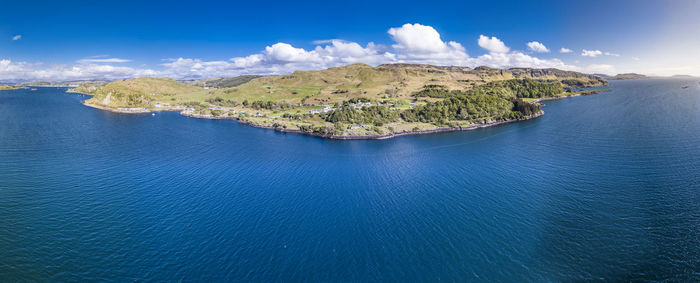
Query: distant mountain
[66, 83]
[683, 76]
[625, 76]
[222, 82]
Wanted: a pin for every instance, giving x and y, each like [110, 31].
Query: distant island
[683, 76]
[625, 76]
[64, 83]
[357, 101]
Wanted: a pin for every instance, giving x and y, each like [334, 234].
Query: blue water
[601, 187]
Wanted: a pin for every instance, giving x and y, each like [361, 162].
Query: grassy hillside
[222, 82]
[140, 92]
[8, 87]
[357, 99]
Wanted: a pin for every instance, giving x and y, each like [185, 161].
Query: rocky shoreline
[321, 135]
[583, 93]
[350, 137]
[368, 137]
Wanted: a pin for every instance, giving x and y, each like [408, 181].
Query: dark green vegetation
[521, 88]
[499, 100]
[375, 115]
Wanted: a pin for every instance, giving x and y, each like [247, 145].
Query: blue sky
[114, 39]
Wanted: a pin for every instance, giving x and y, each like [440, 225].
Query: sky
[74, 40]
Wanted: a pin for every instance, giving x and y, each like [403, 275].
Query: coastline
[582, 93]
[368, 137]
[348, 137]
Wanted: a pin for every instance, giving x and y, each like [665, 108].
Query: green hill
[357, 99]
[139, 92]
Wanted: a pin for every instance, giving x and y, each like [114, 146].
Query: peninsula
[9, 87]
[356, 101]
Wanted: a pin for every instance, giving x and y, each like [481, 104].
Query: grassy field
[286, 101]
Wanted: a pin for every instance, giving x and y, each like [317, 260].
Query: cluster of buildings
[167, 105]
[132, 109]
[326, 108]
[360, 104]
[358, 126]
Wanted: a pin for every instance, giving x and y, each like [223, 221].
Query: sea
[602, 187]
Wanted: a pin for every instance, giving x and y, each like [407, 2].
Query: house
[360, 105]
[132, 109]
[326, 108]
[354, 127]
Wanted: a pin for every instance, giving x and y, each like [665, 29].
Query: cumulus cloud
[282, 58]
[417, 38]
[17, 37]
[565, 50]
[416, 43]
[413, 43]
[103, 60]
[23, 71]
[591, 53]
[519, 59]
[537, 47]
[492, 44]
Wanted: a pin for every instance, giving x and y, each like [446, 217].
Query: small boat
[684, 87]
[153, 114]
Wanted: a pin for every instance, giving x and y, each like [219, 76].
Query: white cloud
[413, 43]
[591, 53]
[417, 38]
[565, 50]
[282, 58]
[324, 41]
[537, 47]
[492, 44]
[103, 60]
[635, 58]
[17, 37]
[611, 54]
[416, 43]
[519, 59]
[23, 71]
